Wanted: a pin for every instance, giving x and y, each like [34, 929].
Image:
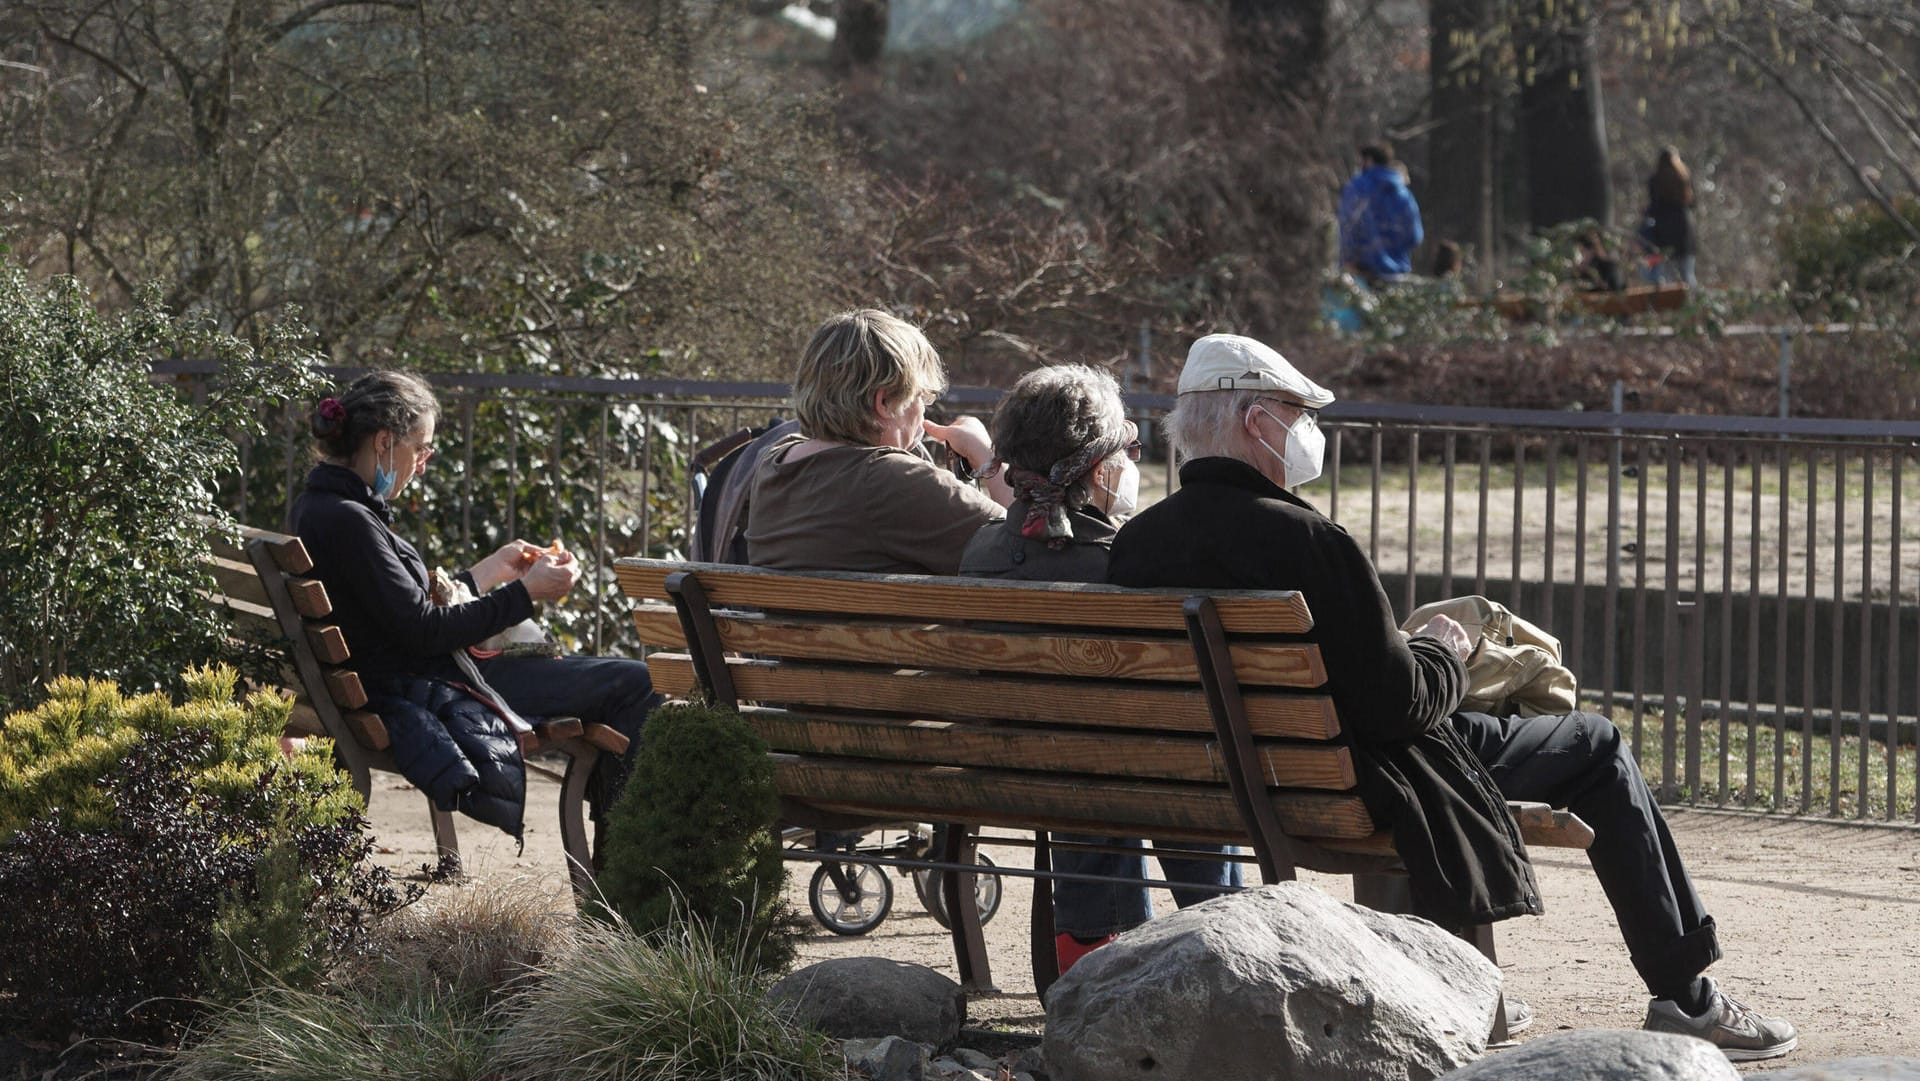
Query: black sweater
[378, 583]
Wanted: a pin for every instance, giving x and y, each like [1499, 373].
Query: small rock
[888, 1059]
[1028, 1061]
[855, 997]
[944, 1067]
[976, 1060]
[1604, 1055]
[1879, 1068]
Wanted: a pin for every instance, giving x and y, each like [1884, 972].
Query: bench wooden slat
[1000, 798]
[1051, 750]
[1270, 714]
[238, 582]
[911, 597]
[288, 552]
[343, 686]
[1541, 826]
[947, 646]
[309, 596]
[329, 645]
[368, 729]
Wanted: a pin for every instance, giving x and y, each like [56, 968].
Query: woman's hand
[505, 565]
[1448, 630]
[550, 576]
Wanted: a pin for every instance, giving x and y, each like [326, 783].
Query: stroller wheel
[986, 892]
[849, 898]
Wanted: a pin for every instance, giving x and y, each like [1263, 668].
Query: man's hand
[969, 439]
[1448, 630]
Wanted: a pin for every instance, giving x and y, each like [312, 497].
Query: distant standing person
[1670, 217]
[1379, 219]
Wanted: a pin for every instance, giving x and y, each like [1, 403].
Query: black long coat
[1228, 527]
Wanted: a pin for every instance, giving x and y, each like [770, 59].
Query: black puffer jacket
[454, 748]
[1228, 527]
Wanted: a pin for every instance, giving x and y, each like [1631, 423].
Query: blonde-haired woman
[854, 490]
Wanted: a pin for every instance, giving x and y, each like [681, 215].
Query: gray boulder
[1272, 983]
[1604, 1055]
[853, 997]
[888, 1059]
[1852, 1069]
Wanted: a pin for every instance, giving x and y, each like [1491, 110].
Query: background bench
[1077, 708]
[263, 584]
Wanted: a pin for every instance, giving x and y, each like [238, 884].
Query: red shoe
[1068, 949]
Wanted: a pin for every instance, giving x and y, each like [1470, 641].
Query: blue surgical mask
[385, 480]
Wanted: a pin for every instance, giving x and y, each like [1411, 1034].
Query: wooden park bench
[1632, 300]
[1196, 716]
[263, 585]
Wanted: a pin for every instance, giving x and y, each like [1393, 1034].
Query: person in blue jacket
[1379, 219]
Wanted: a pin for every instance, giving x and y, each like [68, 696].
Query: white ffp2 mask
[1306, 449]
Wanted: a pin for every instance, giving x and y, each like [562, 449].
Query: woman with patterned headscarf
[1068, 451]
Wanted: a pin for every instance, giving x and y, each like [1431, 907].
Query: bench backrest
[1085, 708]
[263, 582]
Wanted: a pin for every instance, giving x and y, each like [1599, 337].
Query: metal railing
[1730, 589]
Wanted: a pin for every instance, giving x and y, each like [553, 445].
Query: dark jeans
[1095, 909]
[613, 691]
[1579, 761]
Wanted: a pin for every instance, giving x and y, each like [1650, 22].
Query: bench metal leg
[1391, 893]
[1046, 962]
[446, 843]
[1481, 935]
[963, 911]
[573, 822]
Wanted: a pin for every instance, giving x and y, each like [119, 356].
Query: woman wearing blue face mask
[440, 700]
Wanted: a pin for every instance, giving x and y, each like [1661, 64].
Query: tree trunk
[859, 33]
[1563, 120]
[1459, 200]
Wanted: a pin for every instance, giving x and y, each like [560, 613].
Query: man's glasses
[1132, 446]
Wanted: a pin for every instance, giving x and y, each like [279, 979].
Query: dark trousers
[1579, 761]
[613, 691]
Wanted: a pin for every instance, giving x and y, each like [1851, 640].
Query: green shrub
[1852, 260]
[675, 1005]
[107, 477]
[286, 1034]
[157, 855]
[693, 836]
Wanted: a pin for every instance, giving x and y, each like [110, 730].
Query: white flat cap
[1231, 362]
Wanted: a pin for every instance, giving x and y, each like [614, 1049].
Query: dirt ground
[1820, 922]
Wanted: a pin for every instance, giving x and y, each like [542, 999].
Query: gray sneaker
[1740, 1034]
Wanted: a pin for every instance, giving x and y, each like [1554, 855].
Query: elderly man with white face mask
[1246, 423]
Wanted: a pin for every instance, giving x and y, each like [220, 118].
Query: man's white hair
[1208, 424]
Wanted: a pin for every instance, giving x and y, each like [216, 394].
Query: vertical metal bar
[602, 559]
[1413, 519]
[1866, 631]
[1695, 713]
[1578, 653]
[1780, 681]
[1753, 626]
[1893, 641]
[1373, 527]
[1692, 614]
[468, 405]
[1173, 464]
[1480, 545]
[1514, 600]
[1670, 642]
[1552, 526]
[1838, 628]
[1610, 596]
[693, 447]
[1333, 495]
[513, 468]
[1808, 660]
[1446, 527]
[1644, 460]
[1726, 620]
[646, 482]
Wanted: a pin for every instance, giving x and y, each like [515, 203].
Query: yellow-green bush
[58, 755]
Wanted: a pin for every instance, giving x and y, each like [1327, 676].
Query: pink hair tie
[331, 409]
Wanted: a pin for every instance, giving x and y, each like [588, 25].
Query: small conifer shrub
[694, 835]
